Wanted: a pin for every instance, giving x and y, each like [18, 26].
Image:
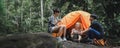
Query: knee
[63, 26]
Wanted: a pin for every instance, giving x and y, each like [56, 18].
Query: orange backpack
[99, 42]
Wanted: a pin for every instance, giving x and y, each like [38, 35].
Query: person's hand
[81, 33]
[59, 20]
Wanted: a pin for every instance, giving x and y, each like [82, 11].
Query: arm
[52, 21]
[58, 22]
[72, 31]
[84, 31]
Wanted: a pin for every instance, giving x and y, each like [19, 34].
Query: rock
[39, 40]
[29, 40]
[70, 44]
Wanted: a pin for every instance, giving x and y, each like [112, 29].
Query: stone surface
[29, 40]
[39, 40]
[70, 44]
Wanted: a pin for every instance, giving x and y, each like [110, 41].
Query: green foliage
[2, 16]
[24, 16]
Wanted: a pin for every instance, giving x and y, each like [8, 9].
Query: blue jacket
[97, 26]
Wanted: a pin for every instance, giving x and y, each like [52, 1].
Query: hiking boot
[59, 39]
[90, 41]
[64, 39]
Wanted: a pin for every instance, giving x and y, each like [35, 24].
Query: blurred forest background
[29, 16]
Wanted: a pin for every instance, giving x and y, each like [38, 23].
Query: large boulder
[29, 40]
[39, 40]
[70, 44]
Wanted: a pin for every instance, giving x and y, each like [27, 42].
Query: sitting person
[95, 31]
[54, 28]
[75, 34]
[95, 27]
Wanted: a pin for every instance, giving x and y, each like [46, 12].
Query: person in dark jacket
[96, 30]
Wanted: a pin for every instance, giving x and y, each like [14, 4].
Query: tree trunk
[42, 12]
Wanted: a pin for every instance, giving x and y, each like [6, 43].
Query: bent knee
[63, 26]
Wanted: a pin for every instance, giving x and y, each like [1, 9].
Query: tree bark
[42, 12]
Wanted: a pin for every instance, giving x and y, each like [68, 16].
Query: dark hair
[56, 10]
[94, 16]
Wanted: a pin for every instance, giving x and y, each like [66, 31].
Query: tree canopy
[24, 16]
